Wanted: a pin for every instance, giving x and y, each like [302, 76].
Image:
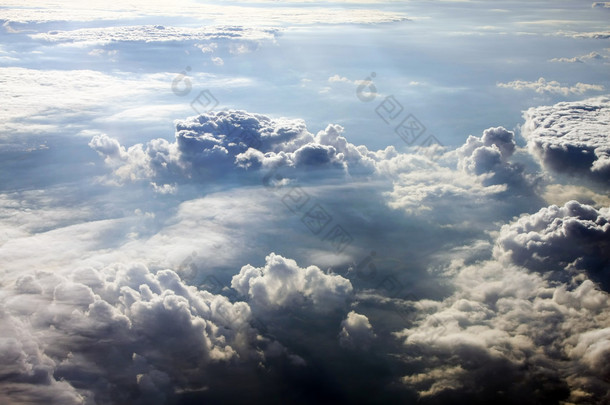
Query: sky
[296, 202]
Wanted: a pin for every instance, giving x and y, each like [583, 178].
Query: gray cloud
[601, 4]
[481, 169]
[575, 236]
[507, 335]
[116, 334]
[356, 331]
[571, 137]
[216, 143]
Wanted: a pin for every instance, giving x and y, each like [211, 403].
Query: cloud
[156, 33]
[115, 334]
[282, 283]
[339, 79]
[543, 86]
[587, 35]
[592, 56]
[600, 4]
[480, 169]
[356, 331]
[214, 143]
[507, 334]
[89, 98]
[556, 239]
[482, 155]
[571, 137]
[224, 14]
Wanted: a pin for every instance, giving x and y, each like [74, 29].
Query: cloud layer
[506, 331]
[116, 334]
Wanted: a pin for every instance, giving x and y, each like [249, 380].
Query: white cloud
[481, 169]
[591, 56]
[586, 35]
[71, 10]
[155, 33]
[32, 105]
[282, 283]
[543, 86]
[571, 137]
[339, 79]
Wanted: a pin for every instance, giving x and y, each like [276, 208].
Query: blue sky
[304, 201]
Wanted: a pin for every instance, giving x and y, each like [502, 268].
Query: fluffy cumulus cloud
[572, 137]
[481, 169]
[356, 331]
[558, 239]
[508, 335]
[282, 283]
[208, 145]
[118, 334]
[489, 154]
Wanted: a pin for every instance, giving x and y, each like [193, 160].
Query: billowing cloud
[480, 169]
[115, 334]
[507, 334]
[572, 137]
[282, 283]
[356, 331]
[555, 239]
[214, 143]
